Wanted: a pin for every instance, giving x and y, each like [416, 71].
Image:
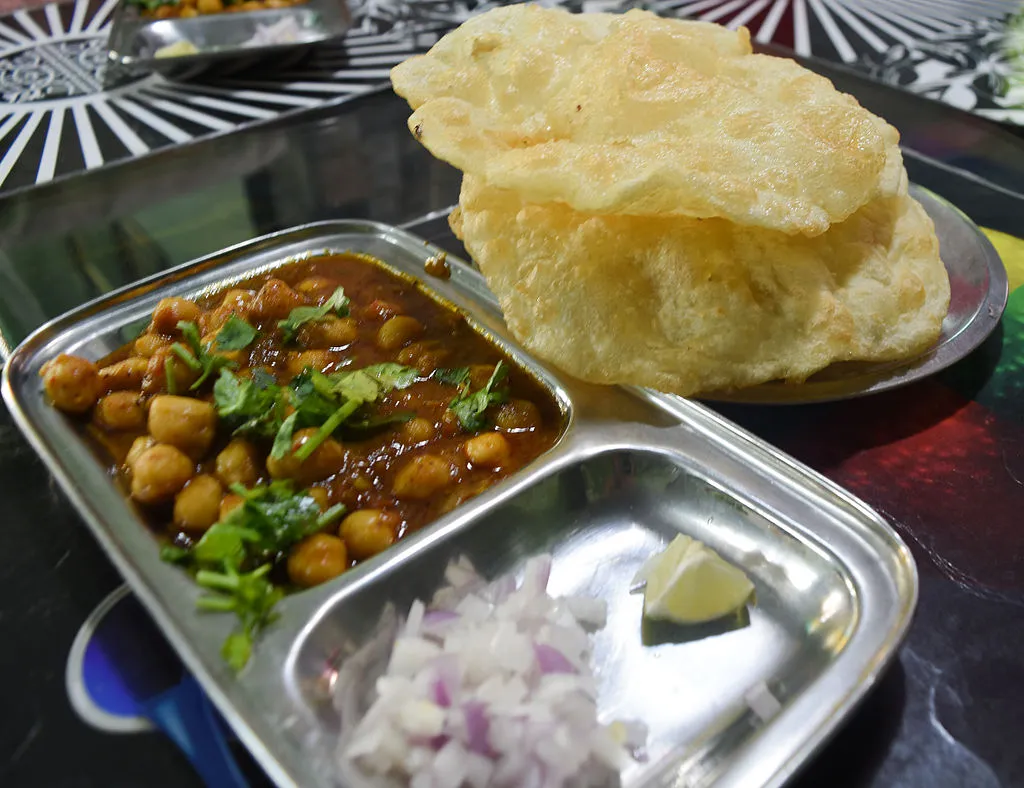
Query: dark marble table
[943, 460]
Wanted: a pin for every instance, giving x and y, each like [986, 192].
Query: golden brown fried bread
[689, 305]
[641, 116]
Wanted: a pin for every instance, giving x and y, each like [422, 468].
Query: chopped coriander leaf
[262, 379]
[271, 519]
[392, 376]
[237, 650]
[196, 356]
[458, 377]
[376, 422]
[357, 385]
[251, 406]
[338, 303]
[328, 401]
[471, 407]
[224, 542]
[251, 597]
[173, 554]
[283, 438]
[313, 397]
[281, 516]
[236, 334]
[332, 514]
[334, 421]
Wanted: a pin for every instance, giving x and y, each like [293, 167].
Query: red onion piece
[551, 660]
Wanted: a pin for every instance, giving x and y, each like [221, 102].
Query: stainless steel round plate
[978, 293]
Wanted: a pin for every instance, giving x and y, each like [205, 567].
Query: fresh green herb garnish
[173, 554]
[458, 376]
[392, 376]
[270, 520]
[250, 596]
[338, 304]
[329, 401]
[327, 429]
[169, 380]
[251, 406]
[197, 357]
[236, 334]
[257, 406]
[471, 407]
[283, 438]
[234, 557]
[376, 422]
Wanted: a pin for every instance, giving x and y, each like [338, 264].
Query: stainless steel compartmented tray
[836, 587]
[134, 40]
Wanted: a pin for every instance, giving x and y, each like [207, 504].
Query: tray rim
[686, 410]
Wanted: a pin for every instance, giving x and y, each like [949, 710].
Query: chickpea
[127, 374]
[189, 424]
[139, 446]
[326, 460]
[155, 379]
[197, 507]
[418, 430]
[319, 360]
[237, 300]
[251, 5]
[229, 503]
[463, 493]
[488, 450]
[159, 473]
[275, 299]
[518, 415]
[170, 311]
[321, 496]
[438, 266]
[315, 287]
[317, 559]
[188, 13]
[449, 424]
[164, 12]
[213, 321]
[422, 477]
[237, 463]
[397, 331]
[71, 383]
[381, 310]
[329, 332]
[147, 344]
[425, 356]
[369, 531]
[209, 6]
[121, 410]
[479, 374]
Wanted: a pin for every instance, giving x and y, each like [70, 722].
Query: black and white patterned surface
[56, 118]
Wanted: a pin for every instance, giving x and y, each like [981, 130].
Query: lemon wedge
[689, 583]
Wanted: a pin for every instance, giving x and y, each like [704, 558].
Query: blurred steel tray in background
[136, 42]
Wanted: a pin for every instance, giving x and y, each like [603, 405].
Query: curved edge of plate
[877, 378]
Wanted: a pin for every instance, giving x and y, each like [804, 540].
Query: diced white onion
[489, 686]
